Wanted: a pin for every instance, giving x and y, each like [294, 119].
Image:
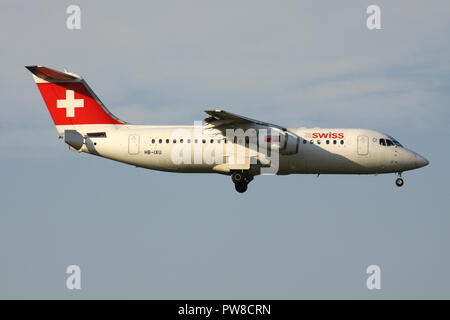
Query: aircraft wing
[219, 118]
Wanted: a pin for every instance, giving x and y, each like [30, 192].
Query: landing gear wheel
[241, 187]
[399, 182]
[237, 177]
[241, 179]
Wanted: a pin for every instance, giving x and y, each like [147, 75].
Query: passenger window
[389, 143]
[195, 141]
[311, 142]
[328, 141]
[160, 140]
[188, 140]
[181, 140]
[153, 140]
[334, 141]
[304, 141]
[382, 142]
[204, 141]
[167, 140]
[218, 141]
[318, 141]
[211, 141]
[174, 140]
[342, 141]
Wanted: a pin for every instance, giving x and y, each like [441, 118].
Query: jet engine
[288, 141]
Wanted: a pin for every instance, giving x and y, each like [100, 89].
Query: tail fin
[70, 100]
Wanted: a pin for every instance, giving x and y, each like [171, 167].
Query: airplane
[224, 142]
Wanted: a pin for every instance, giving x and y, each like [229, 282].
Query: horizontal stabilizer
[48, 74]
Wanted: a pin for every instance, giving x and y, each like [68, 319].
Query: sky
[141, 234]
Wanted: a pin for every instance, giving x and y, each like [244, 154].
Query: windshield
[398, 144]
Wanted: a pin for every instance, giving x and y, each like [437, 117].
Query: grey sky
[143, 234]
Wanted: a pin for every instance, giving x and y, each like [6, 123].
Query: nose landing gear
[399, 180]
[241, 179]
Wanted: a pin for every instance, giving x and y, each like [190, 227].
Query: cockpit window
[389, 142]
[398, 144]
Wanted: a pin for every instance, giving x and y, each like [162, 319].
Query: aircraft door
[363, 145]
[133, 144]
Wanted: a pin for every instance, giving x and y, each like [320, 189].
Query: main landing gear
[241, 179]
[399, 180]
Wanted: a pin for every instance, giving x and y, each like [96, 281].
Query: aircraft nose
[421, 161]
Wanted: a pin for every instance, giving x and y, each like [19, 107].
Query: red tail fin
[69, 99]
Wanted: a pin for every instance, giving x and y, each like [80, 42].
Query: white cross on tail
[70, 103]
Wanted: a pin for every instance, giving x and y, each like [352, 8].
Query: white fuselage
[224, 142]
[320, 151]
